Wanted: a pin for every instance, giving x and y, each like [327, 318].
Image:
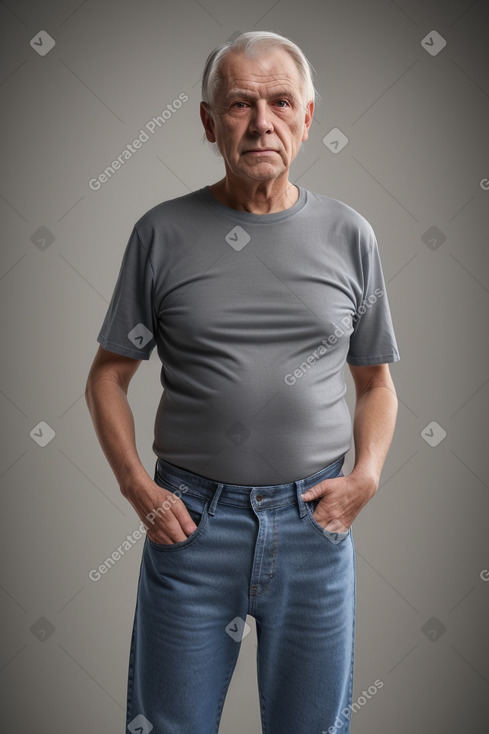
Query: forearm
[114, 425]
[373, 430]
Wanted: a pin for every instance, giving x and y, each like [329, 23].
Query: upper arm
[112, 366]
[366, 377]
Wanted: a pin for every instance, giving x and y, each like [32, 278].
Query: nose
[260, 121]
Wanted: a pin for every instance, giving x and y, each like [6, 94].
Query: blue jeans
[258, 551]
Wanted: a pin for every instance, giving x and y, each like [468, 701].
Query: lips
[261, 150]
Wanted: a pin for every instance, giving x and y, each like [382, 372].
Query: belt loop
[299, 484]
[215, 499]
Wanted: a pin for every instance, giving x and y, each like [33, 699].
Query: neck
[257, 197]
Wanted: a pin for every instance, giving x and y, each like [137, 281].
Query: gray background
[417, 158]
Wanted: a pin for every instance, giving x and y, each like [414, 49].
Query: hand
[342, 498]
[165, 516]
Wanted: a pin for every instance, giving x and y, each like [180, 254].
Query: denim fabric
[257, 550]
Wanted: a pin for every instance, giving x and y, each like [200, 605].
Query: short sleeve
[373, 340]
[129, 326]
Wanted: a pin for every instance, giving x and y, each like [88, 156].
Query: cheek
[231, 132]
[292, 130]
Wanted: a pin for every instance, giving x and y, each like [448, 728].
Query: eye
[282, 103]
[238, 105]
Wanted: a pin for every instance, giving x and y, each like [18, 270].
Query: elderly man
[256, 292]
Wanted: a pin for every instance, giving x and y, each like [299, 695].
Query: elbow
[89, 386]
[88, 393]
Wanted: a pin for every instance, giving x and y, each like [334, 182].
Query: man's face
[260, 118]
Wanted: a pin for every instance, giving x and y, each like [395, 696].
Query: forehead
[270, 68]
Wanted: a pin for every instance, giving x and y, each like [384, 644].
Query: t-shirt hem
[379, 359]
[124, 351]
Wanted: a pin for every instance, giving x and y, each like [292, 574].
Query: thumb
[312, 493]
[320, 489]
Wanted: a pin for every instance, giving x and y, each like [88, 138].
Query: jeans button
[259, 497]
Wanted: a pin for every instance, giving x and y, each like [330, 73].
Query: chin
[263, 176]
[262, 171]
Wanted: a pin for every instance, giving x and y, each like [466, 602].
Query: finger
[313, 492]
[318, 490]
[175, 516]
[169, 531]
[182, 515]
[328, 521]
[322, 513]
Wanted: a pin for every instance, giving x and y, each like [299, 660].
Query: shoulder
[165, 213]
[343, 222]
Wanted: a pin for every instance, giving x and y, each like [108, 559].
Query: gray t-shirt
[253, 317]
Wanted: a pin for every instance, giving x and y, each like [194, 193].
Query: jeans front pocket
[197, 509]
[332, 536]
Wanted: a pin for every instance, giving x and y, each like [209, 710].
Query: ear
[207, 121]
[308, 120]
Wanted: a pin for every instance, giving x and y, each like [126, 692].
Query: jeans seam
[130, 680]
[352, 659]
[231, 667]
[274, 520]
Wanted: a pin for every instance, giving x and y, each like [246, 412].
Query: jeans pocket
[197, 509]
[331, 535]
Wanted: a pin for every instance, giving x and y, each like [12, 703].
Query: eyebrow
[246, 94]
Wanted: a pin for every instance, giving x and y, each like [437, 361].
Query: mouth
[260, 151]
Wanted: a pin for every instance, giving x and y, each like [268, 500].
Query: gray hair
[252, 43]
